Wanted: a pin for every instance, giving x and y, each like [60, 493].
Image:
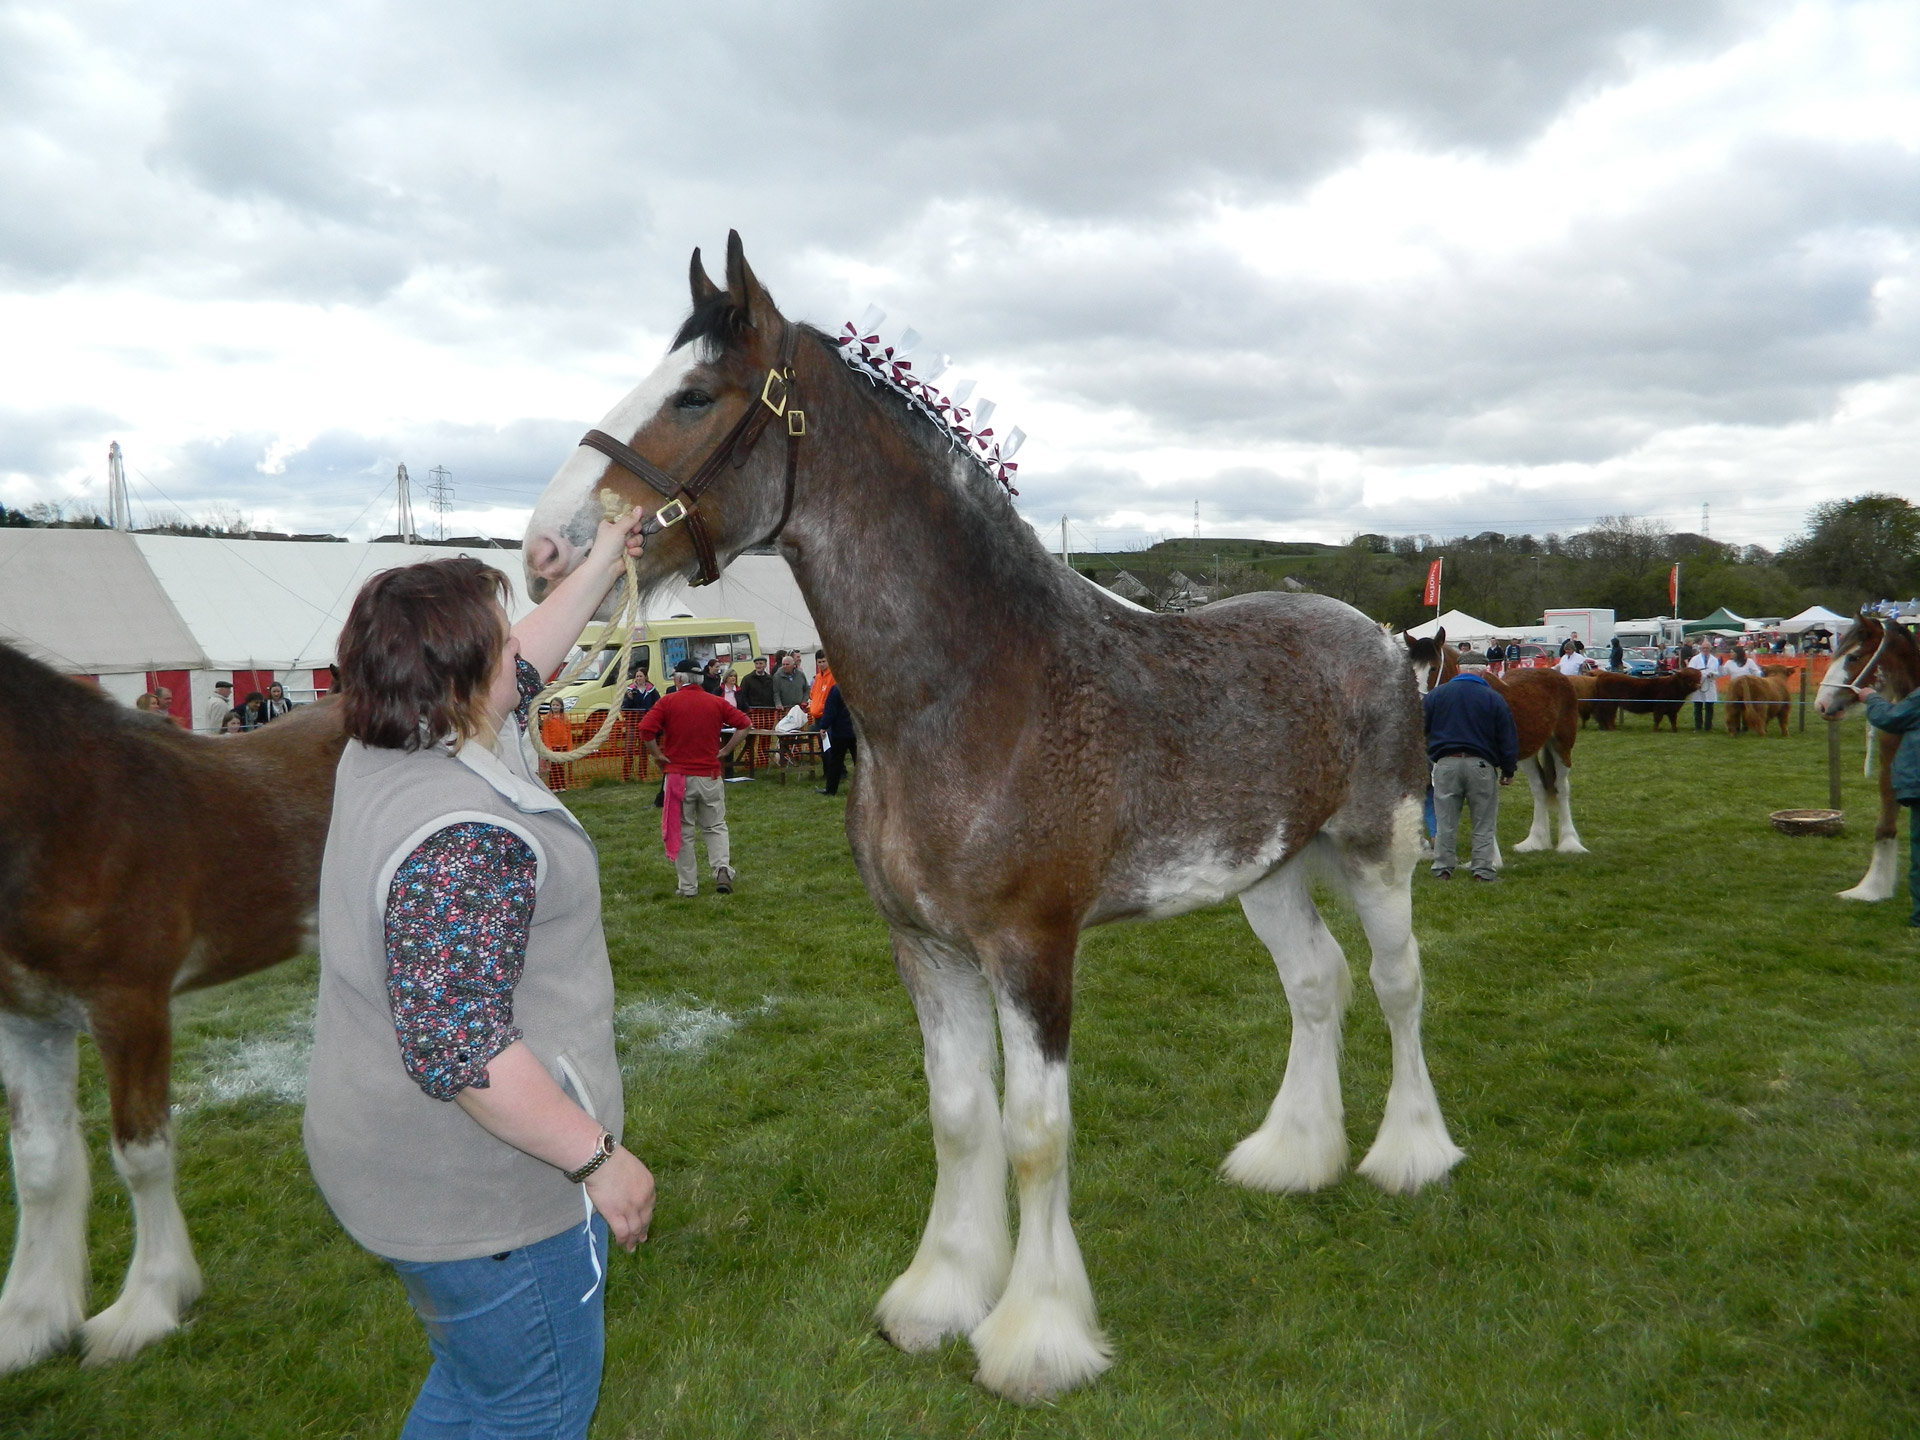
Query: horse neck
[1899, 669]
[924, 581]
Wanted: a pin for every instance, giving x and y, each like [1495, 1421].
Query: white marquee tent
[1814, 617]
[1461, 626]
[136, 610]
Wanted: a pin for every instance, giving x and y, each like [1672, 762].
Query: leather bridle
[681, 500]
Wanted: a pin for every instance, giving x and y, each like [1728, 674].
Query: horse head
[1874, 651]
[1428, 657]
[693, 423]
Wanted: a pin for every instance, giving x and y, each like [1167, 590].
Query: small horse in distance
[1882, 654]
[136, 861]
[1036, 757]
[1546, 716]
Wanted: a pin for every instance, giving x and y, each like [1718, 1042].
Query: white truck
[1592, 628]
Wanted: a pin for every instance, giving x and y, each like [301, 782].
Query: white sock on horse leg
[1569, 837]
[961, 1266]
[1043, 1336]
[1882, 873]
[164, 1278]
[1302, 1144]
[1413, 1146]
[1539, 834]
[45, 1297]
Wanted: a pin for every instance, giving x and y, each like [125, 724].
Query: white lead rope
[593, 1251]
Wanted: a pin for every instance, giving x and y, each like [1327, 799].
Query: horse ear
[742, 288]
[699, 281]
[1440, 636]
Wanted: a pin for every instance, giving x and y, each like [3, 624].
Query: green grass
[1682, 1072]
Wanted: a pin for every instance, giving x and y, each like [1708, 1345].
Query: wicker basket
[1807, 822]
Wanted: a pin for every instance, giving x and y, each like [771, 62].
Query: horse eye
[693, 400]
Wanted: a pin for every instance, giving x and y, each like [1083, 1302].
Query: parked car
[1641, 659]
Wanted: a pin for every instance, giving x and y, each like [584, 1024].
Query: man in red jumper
[682, 732]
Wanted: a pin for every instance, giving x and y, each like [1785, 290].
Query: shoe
[1441, 874]
[686, 894]
[819, 791]
[723, 880]
[1487, 879]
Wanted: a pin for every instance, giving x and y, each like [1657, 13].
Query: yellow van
[659, 645]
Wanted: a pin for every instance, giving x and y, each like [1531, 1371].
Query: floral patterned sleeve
[527, 680]
[456, 925]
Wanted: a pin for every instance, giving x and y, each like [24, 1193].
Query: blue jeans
[516, 1351]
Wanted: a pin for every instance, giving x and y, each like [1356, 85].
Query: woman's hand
[616, 539]
[622, 1191]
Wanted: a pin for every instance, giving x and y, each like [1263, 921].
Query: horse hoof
[1265, 1162]
[27, 1340]
[1034, 1350]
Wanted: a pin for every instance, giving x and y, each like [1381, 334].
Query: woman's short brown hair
[418, 650]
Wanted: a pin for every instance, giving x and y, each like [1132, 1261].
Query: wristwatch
[601, 1154]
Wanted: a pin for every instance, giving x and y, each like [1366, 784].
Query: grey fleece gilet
[411, 1177]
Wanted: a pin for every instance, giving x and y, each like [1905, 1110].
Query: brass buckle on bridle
[671, 513]
[775, 377]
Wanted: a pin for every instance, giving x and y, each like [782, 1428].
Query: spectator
[1513, 652]
[1571, 661]
[640, 694]
[149, 703]
[714, 681]
[1742, 664]
[1470, 738]
[1703, 698]
[1494, 652]
[756, 690]
[682, 734]
[841, 745]
[555, 733]
[221, 705]
[1616, 655]
[277, 703]
[790, 686]
[822, 683]
[253, 711]
[230, 724]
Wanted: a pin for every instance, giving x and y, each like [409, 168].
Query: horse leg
[1042, 1337]
[1883, 870]
[45, 1298]
[961, 1265]
[1413, 1147]
[135, 1041]
[1540, 833]
[1302, 1144]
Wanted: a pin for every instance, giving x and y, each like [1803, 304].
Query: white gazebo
[1461, 626]
[1814, 617]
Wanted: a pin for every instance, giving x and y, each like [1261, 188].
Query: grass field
[1683, 1074]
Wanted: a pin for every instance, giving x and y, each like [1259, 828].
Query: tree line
[1849, 552]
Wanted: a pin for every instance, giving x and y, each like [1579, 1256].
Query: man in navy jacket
[1470, 740]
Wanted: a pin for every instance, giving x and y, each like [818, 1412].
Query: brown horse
[1754, 701]
[1036, 757]
[1546, 716]
[136, 860]
[1877, 653]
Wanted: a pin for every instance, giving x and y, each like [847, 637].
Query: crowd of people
[223, 716]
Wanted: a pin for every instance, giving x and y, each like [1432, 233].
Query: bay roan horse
[136, 860]
[1547, 717]
[1874, 652]
[1036, 757]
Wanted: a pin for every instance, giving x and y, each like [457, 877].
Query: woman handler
[464, 1103]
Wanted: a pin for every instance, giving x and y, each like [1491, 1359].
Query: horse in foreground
[1036, 757]
[1546, 716]
[1882, 654]
[136, 861]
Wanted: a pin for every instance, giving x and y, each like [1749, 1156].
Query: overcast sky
[1380, 265]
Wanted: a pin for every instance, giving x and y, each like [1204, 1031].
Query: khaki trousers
[705, 811]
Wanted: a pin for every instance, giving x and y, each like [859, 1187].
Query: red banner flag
[1673, 589]
[1432, 597]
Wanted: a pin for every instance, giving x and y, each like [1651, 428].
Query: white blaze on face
[1833, 696]
[568, 510]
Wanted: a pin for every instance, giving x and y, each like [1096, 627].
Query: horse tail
[1547, 760]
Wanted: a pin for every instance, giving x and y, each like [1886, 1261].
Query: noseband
[681, 501]
[1856, 686]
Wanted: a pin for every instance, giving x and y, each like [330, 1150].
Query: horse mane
[44, 714]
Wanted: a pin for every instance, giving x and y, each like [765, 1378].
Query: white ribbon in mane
[966, 427]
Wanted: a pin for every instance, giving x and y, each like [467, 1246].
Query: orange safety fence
[624, 757]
